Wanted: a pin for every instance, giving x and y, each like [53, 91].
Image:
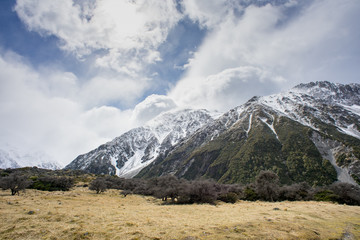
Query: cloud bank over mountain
[118, 48]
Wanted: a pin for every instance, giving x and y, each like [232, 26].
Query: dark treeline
[170, 189]
[40, 179]
[265, 188]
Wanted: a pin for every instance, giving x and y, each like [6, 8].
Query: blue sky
[77, 73]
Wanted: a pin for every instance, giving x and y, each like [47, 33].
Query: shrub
[125, 192]
[229, 197]
[295, 192]
[52, 183]
[267, 186]
[15, 182]
[346, 192]
[131, 184]
[197, 192]
[326, 196]
[166, 187]
[250, 194]
[98, 185]
[236, 188]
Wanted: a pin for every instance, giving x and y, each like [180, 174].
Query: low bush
[250, 194]
[198, 192]
[326, 196]
[99, 185]
[346, 193]
[51, 183]
[180, 191]
[229, 197]
[295, 192]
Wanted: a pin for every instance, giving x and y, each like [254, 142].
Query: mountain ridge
[260, 113]
[135, 149]
[309, 133]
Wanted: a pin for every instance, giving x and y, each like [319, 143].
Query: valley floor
[82, 214]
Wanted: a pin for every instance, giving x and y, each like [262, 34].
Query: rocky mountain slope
[310, 133]
[127, 154]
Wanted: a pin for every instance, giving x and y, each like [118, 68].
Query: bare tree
[15, 182]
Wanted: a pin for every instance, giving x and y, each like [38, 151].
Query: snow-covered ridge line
[127, 154]
[168, 129]
[308, 104]
[309, 100]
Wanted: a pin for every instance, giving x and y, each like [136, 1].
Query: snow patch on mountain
[271, 126]
[353, 108]
[250, 122]
[350, 130]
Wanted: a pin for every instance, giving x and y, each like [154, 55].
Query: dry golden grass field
[82, 214]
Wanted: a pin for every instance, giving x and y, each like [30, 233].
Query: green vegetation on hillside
[303, 160]
[236, 156]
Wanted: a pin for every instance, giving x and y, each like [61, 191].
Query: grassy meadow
[82, 214]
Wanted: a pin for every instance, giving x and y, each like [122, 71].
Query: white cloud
[226, 89]
[35, 113]
[313, 42]
[247, 50]
[128, 31]
[108, 122]
[151, 107]
[120, 37]
[209, 13]
[101, 90]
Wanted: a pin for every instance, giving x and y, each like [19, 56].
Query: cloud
[225, 89]
[105, 89]
[128, 32]
[36, 113]
[118, 40]
[248, 49]
[289, 43]
[151, 107]
[209, 13]
[106, 121]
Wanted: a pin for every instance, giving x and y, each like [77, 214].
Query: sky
[75, 74]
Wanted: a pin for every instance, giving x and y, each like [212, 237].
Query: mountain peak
[347, 94]
[321, 84]
[127, 154]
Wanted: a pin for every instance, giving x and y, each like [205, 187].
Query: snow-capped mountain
[325, 101]
[11, 157]
[127, 154]
[309, 133]
[6, 161]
